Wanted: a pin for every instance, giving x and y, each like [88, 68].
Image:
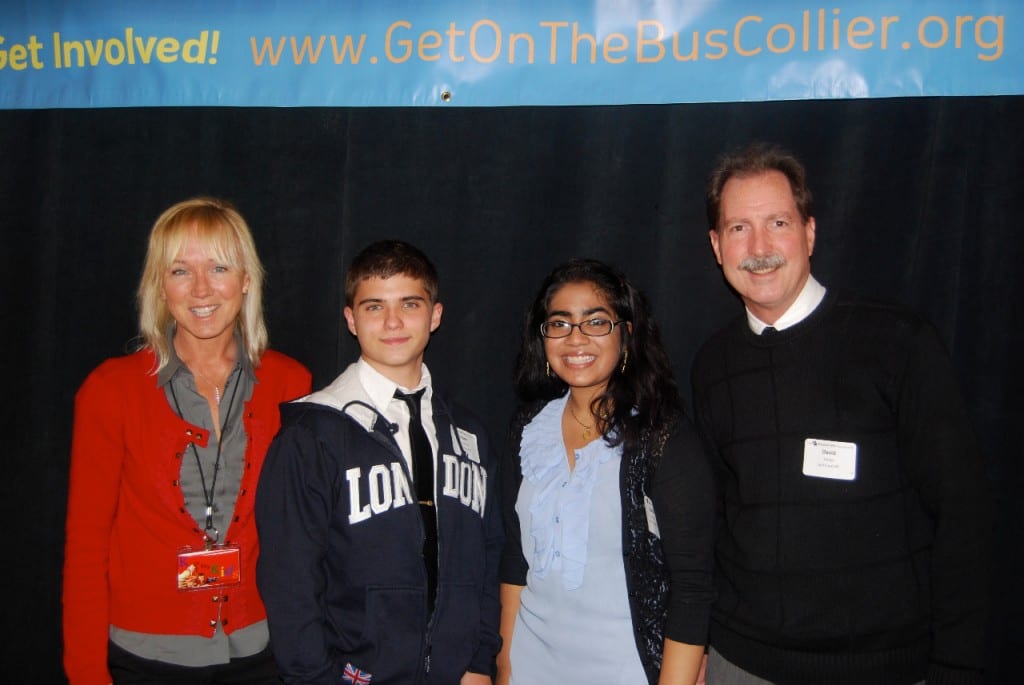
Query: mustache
[772, 261]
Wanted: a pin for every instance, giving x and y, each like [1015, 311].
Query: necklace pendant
[216, 395]
[587, 430]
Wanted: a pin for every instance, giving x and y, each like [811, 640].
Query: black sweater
[878, 579]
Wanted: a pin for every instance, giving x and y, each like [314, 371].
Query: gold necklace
[587, 430]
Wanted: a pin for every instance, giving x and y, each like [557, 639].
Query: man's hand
[474, 679]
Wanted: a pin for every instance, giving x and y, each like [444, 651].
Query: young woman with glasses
[608, 497]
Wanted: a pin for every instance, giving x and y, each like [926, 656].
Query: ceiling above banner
[444, 53]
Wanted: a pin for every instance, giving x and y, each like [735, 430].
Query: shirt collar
[806, 302]
[381, 389]
[174, 362]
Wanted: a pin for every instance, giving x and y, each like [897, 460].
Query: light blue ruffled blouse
[574, 624]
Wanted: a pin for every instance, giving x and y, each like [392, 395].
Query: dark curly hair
[641, 398]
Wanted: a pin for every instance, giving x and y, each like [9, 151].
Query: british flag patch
[356, 676]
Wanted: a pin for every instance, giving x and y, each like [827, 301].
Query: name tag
[209, 569]
[830, 459]
[469, 444]
[652, 519]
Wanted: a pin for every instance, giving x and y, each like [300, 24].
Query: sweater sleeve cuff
[941, 674]
[483, 662]
[690, 625]
[512, 568]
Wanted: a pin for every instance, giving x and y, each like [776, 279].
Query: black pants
[126, 668]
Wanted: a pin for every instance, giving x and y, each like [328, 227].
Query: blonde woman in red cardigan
[160, 557]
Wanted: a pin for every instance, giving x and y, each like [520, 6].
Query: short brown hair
[384, 259]
[753, 160]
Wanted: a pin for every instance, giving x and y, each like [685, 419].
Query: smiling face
[762, 244]
[203, 295]
[392, 318]
[585, 363]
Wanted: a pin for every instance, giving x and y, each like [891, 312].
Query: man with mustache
[855, 520]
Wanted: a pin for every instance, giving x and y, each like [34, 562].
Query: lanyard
[210, 533]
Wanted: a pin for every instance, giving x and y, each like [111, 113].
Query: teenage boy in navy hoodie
[379, 540]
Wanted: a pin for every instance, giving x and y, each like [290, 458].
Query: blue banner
[322, 53]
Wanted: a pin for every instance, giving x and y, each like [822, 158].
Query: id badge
[652, 519]
[217, 567]
[830, 459]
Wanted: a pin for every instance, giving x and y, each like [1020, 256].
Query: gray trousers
[723, 672]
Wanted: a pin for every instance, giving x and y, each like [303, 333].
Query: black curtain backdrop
[918, 201]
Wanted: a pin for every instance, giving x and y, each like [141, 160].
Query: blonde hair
[222, 230]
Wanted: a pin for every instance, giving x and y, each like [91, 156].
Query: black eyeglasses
[594, 328]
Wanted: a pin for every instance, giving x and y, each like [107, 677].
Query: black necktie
[423, 482]
[769, 331]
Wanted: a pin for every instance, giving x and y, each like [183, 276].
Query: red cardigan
[127, 516]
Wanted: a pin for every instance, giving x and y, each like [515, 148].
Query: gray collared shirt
[198, 463]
